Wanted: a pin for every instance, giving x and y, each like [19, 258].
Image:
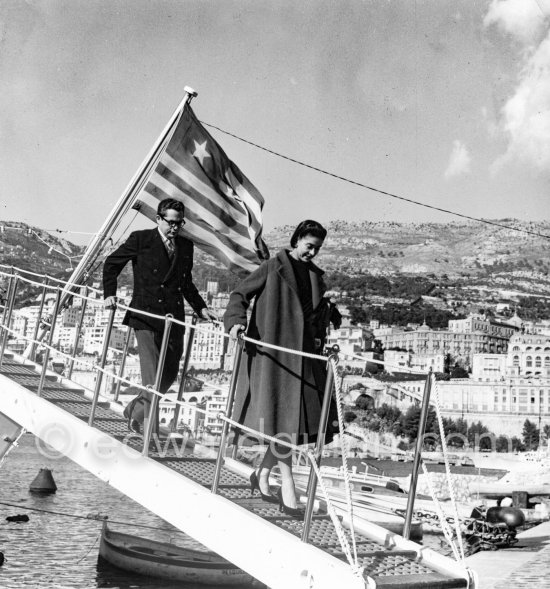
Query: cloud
[459, 162]
[525, 118]
[523, 19]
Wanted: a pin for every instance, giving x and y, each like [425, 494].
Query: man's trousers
[149, 344]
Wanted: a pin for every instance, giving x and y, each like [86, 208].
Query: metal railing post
[319, 445]
[32, 354]
[153, 407]
[78, 333]
[417, 456]
[5, 300]
[186, 358]
[102, 361]
[8, 310]
[123, 363]
[228, 412]
[46, 356]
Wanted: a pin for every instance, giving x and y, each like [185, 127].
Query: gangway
[174, 481]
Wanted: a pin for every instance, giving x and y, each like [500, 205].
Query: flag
[223, 209]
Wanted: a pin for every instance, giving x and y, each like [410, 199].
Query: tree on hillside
[349, 417]
[502, 444]
[412, 419]
[388, 413]
[479, 435]
[459, 372]
[462, 426]
[530, 435]
[517, 444]
[392, 419]
[364, 402]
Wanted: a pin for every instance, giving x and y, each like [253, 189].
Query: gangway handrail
[221, 334]
[68, 285]
[50, 340]
[106, 372]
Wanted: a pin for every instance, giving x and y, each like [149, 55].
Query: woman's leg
[281, 456]
[268, 462]
[287, 481]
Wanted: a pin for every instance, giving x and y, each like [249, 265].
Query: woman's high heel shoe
[296, 512]
[255, 486]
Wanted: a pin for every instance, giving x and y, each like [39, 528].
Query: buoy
[43, 482]
[18, 518]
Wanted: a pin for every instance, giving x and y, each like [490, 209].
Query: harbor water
[53, 551]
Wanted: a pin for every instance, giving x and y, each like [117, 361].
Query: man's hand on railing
[235, 330]
[209, 314]
[110, 303]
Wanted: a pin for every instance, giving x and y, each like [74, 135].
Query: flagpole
[121, 207]
[125, 201]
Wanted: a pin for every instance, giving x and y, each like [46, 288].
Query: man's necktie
[170, 248]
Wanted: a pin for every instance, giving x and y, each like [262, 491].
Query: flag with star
[223, 209]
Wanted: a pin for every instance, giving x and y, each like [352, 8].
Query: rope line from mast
[377, 190]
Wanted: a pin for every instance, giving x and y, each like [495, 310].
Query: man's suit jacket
[159, 283]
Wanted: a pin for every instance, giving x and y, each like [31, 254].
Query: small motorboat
[168, 561]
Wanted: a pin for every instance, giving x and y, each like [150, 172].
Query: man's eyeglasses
[176, 224]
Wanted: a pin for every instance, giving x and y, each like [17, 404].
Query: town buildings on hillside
[502, 391]
[462, 340]
[509, 360]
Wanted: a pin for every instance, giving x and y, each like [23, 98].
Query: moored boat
[168, 561]
[380, 500]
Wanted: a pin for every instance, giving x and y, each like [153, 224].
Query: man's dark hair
[170, 203]
[307, 227]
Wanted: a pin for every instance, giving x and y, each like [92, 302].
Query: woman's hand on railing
[236, 330]
[110, 303]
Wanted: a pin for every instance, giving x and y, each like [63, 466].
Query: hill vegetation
[379, 269]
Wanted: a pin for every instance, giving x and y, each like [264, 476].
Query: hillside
[33, 249]
[466, 254]
[470, 253]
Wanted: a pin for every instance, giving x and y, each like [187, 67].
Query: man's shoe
[134, 426]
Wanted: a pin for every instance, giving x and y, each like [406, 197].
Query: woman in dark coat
[278, 393]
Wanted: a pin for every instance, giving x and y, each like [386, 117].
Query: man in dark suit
[161, 262]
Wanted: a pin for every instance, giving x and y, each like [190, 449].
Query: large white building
[505, 389]
[208, 346]
[200, 413]
[424, 340]
[529, 355]
[93, 338]
[350, 340]
[396, 360]
[481, 324]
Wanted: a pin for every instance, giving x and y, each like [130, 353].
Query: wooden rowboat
[168, 561]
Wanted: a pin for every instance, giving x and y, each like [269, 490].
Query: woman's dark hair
[307, 227]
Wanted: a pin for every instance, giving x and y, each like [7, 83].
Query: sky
[446, 102]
